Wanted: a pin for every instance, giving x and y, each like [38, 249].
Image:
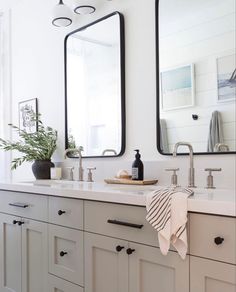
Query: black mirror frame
[122, 71]
[158, 94]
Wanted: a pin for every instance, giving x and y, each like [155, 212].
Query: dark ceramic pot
[41, 169]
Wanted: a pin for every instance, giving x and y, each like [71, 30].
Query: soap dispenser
[137, 167]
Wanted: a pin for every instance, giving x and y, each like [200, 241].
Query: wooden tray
[124, 181]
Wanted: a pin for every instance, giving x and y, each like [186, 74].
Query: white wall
[37, 71]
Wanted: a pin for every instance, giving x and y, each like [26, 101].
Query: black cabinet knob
[15, 222]
[130, 251]
[60, 212]
[218, 240]
[119, 248]
[62, 253]
[21, 223]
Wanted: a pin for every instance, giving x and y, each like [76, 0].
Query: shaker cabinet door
[208, 276]
[66, 254]
[34, 256]
[10, 254]
[150, 271]
[106, 264]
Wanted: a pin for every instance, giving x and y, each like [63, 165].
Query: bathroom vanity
[74, 237]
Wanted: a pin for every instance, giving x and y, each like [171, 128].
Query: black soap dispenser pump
[137, 167]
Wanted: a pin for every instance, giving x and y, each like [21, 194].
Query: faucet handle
[210, 184]
[212, 169]
[90, 174]
[174, 178]
[71, 172]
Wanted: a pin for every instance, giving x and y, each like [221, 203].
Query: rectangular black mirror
[95, 88]
[196, 75]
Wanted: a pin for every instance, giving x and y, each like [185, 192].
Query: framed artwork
[226, 78]
[177, 87]
[26, 109]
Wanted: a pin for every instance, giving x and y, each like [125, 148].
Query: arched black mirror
[196, 75]
[95, 88]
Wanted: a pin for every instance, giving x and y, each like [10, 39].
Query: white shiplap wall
[198, 36]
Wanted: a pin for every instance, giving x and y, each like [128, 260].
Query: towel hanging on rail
[215, 135]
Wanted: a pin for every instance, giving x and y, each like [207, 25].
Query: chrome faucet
[221, 147]
[78, 150]
[191, 183]
[109, 150]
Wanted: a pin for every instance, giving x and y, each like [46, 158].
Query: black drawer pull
[119, 248]
[15, 222]
[218, 240]
[60, 212]
[21, 223]
[117, 222]
[62, 253]
[19, 205]
[130, 251]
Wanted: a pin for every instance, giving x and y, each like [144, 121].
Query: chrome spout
[79, 150]
[191, 179]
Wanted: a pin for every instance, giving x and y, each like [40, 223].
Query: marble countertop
[217, 201]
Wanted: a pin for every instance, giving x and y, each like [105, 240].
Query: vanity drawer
[57, 284]
[66, 253]
[97, 215]
[213, 237]
[66, 212]
[24, 205]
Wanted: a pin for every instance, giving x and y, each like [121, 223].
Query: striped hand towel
[167, 213]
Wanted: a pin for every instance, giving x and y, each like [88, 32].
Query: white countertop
[218, 201]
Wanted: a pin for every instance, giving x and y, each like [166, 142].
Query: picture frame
[25, 109]
[177, 87]
[226, 78]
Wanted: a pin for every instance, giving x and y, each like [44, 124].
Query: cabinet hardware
[218, 240]
[19, 205]
[21, 223]
[119, 248]
[62, 253]
[117, 222]
[15, 222]
[60, 212]
[130, 251]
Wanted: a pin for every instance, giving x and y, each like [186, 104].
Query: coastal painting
[226, 78]
[177, 87]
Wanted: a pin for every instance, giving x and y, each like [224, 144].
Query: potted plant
[38, 147]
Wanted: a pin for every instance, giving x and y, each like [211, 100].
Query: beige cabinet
[34, 256]
[23, 260]
[150, 271]
[211, 276]
[120, 266]
[106, 264]
[59, 285]
[66, 253]
[10, 254]
[213, 253]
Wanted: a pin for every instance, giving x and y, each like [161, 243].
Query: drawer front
[213, 237]
[24, 204]
[66, 212]
[58, 285]
[97, 215]
[66, 253]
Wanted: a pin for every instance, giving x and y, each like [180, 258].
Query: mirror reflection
[95, 88]
[197, 75]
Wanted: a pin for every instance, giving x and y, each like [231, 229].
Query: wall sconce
[84, 7]
[62, 14]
